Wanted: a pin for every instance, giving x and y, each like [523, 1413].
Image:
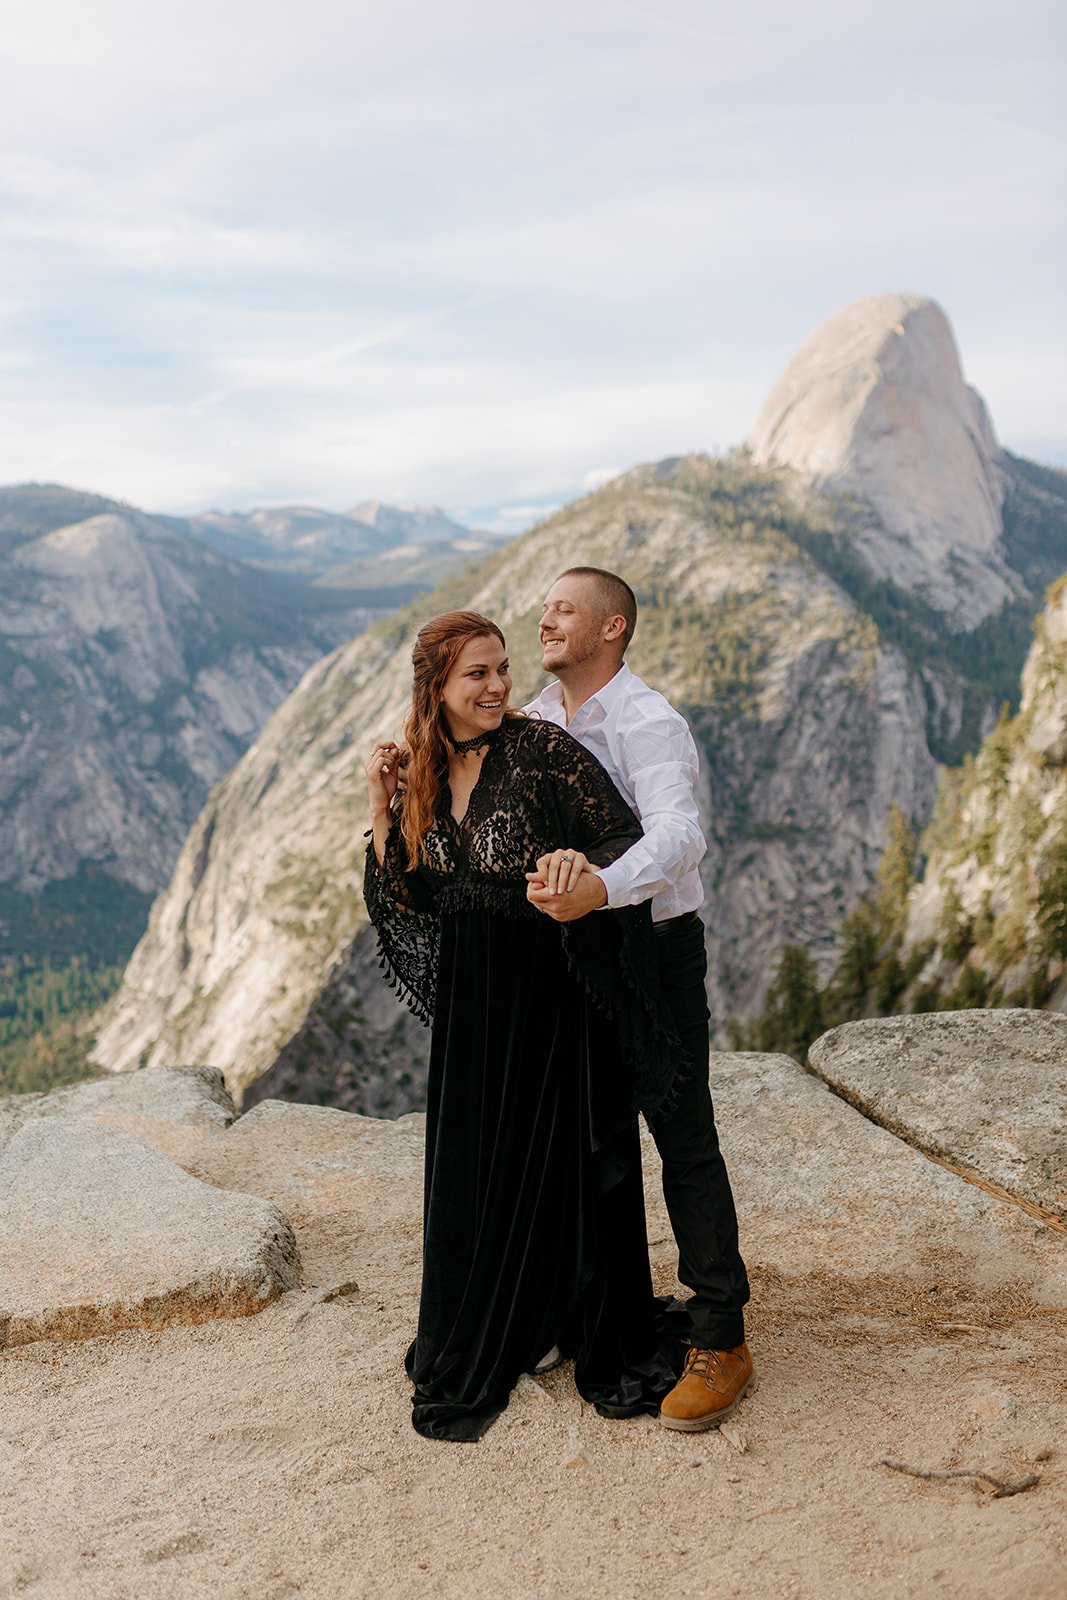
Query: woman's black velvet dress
[545, 1039]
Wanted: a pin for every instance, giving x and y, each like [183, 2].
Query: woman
[545, 1038]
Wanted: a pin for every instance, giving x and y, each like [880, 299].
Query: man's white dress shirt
[649, 753]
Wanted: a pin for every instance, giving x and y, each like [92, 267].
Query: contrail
[304, 366]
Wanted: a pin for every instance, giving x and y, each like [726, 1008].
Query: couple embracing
[533, 880]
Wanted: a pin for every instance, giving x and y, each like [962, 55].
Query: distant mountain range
[141, 655]
[371, 545]
[837, 609]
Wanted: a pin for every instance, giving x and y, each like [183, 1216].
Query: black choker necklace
[463, 746]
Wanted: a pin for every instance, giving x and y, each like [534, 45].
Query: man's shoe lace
[700, 1364]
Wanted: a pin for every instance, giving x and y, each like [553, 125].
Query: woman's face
[475, 693]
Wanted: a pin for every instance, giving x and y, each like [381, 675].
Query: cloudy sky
[483, 254]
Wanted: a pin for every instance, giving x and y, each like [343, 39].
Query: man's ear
[614, 627]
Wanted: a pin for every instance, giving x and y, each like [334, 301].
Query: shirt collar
[613, 688]
[551, 694]
[598, 705]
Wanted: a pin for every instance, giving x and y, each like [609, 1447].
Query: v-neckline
[459, 821]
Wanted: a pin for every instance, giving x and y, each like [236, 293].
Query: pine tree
[955, 927]
[1052, 903]
[847, 994]
[896, 873]
[792, 1015]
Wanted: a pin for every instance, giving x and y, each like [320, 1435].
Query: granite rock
[822, 1192]
[137, 1102]
[984, 1089]
[101, 1231]
[874, 406]
[822, 1189]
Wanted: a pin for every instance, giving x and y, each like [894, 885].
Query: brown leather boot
[711, 1385]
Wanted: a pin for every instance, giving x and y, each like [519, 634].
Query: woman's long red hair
[438, 644]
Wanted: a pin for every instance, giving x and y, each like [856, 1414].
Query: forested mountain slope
[822, 692]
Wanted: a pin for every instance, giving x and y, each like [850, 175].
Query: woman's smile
[475, 693]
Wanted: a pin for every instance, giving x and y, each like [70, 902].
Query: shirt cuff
[615, 882]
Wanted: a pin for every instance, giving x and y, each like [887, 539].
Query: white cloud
[516, 519]
[256, 252]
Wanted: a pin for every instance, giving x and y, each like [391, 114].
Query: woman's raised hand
[560, 870]
[382, 771]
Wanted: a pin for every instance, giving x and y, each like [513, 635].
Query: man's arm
[661, 763]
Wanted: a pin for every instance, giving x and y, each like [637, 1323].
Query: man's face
[571, 629]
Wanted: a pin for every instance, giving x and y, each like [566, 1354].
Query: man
[586, 624]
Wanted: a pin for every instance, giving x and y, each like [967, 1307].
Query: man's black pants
[696, 1185]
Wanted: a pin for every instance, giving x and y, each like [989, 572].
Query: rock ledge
[101, 1231]
[985, 1089]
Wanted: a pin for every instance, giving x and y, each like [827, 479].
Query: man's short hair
[615, 595]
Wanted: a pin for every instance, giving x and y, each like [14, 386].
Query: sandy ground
[273, 1456]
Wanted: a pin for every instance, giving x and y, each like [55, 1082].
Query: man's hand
[587, 894]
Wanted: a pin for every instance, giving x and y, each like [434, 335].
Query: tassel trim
[417, 1004]
[481, 894]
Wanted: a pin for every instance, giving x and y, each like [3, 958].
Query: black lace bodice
[538, 789]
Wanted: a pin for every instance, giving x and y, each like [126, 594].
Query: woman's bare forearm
[381, 823]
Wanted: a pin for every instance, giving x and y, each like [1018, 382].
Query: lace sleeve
[614, 953]
[401, 906]
[590, 813]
